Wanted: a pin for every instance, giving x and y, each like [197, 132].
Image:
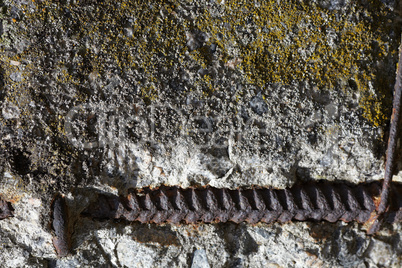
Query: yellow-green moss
[266, 37]
[279, 30]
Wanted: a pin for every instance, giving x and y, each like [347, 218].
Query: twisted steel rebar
[310, 201]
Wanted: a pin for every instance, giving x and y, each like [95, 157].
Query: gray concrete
[112, 96]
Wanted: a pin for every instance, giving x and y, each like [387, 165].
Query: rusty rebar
[59, 225]
[376, 218]
[309, 201]
[393, 135]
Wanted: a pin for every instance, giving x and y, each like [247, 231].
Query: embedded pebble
[16, 77]
[10, 111]
[200, 259]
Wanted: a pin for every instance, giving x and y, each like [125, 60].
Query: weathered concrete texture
[113, 244]
[184, 99]
[103, 96]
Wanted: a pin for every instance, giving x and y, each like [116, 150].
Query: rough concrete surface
[102, 96]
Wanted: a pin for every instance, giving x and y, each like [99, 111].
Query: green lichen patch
[267, 41]
[111, 52]
[283, 41]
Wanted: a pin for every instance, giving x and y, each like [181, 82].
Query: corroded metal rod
[393, 135]
[59, 225]
[377, 216]
[309, 201]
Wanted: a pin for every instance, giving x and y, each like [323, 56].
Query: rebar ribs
[310, 201]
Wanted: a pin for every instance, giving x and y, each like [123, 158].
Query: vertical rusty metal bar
[59, 226]
[393, 136]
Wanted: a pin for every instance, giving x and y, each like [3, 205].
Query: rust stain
[161, 237]
[319, 233]
[6, 209]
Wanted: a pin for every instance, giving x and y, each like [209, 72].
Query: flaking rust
[59, 225]
[309, 201]
[377, 217]
[6, 209]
